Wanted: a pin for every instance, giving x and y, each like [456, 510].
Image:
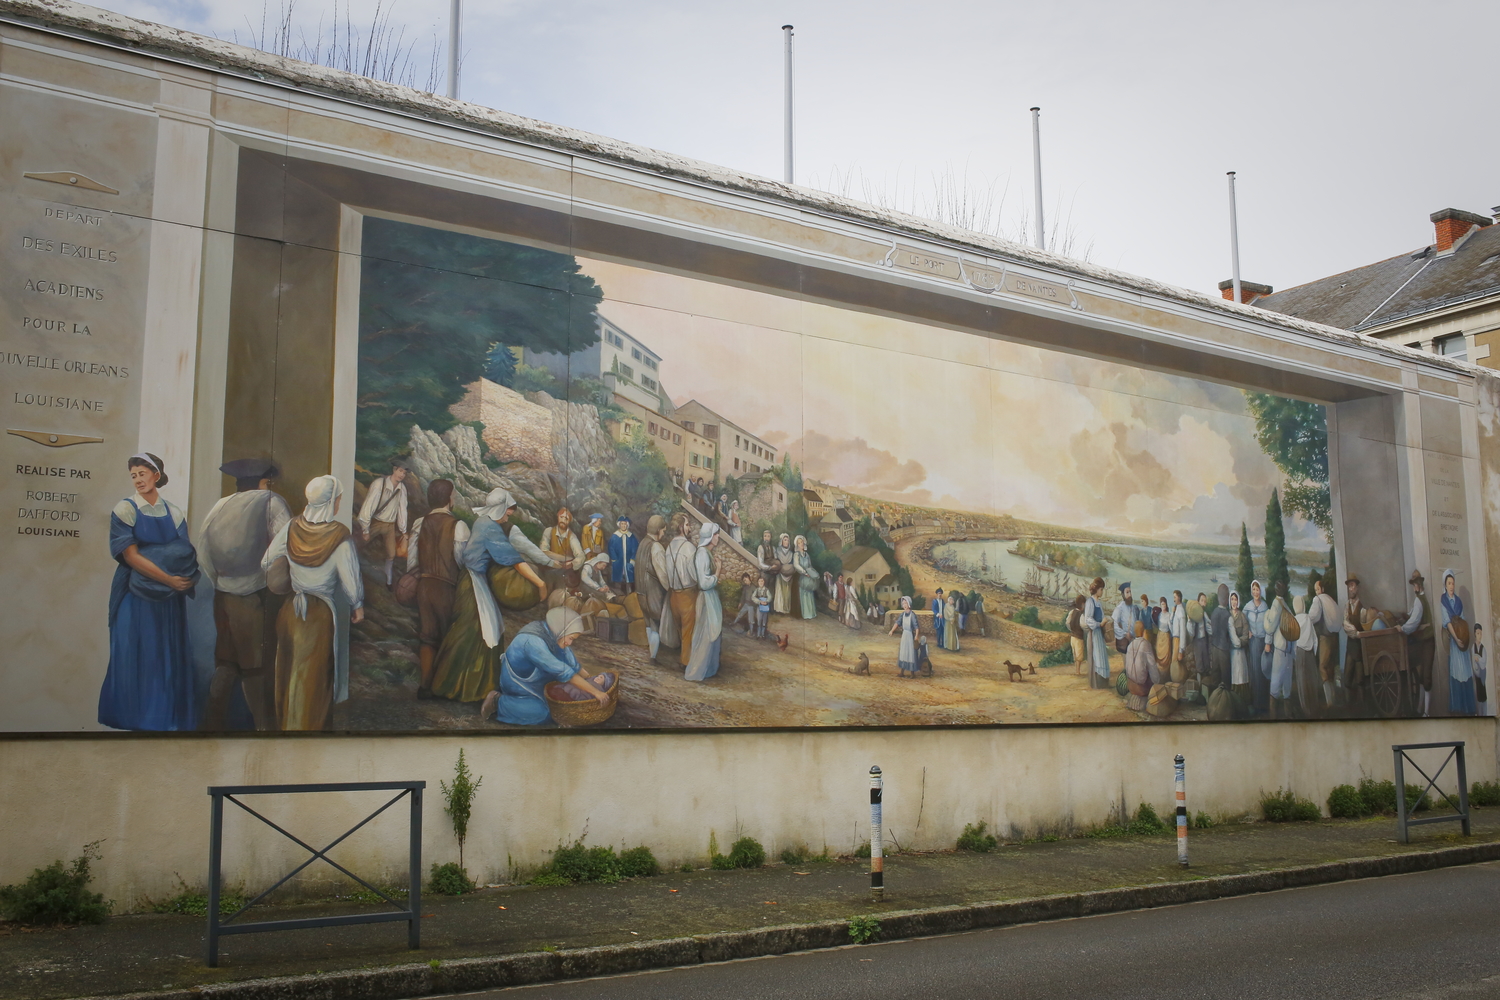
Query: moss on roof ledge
[215, 54]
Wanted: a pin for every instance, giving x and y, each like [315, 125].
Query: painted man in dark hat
[623, 546]
[1354, 657]
[1421, 644]
[231, 541]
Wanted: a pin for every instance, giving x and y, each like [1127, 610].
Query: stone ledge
[420, 979]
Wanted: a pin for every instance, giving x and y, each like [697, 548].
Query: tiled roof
[1403, 287]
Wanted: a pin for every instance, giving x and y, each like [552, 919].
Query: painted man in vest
[382, 517]
[560, 541]
[1323, 614]
[623, 546]
[231, 541]
[1124, 618]
[939, 606]
[1421, 646]
[436, 550]
[1219, 642]
[593, 537]
[1354, 658]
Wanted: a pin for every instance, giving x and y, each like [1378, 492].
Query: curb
[399, 982]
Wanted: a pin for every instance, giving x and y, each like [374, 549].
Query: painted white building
[626, 366]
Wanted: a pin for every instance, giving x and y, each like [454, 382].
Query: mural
[591, 494]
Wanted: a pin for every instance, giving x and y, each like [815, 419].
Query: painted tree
[1277, 574]
[1294, 435]
[433, 306]
[1245, 571]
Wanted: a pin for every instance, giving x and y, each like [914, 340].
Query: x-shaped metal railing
[410, 910]
[1404, 816]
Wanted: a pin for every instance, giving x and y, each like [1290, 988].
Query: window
[1452, 347]
[635, 352]
[649, 362]
[651, 427]
[614, 338]
[736, 440]
[689, 425]
[677, 439]
[711, 431]
[736, 465]
[627, 371]
[694, 459]
[648, 383]
[708, 461]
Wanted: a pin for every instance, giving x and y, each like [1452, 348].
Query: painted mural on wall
[589, 494]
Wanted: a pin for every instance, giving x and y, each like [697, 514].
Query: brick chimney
[1453, 224]
[1249, 291]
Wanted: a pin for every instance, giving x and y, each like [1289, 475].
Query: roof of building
[811, 495]
[889, 580]
[1401, 287]
[838, 514]
[858, 556]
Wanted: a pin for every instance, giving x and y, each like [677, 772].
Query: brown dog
[862, 667]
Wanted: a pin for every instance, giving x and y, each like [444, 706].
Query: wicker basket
[584, 712]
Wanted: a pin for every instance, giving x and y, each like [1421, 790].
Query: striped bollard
[877, 856]
[1182, 858]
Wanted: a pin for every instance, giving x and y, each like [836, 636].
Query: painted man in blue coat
[937, 616]
[622, 548]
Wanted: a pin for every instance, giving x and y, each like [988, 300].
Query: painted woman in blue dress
[149, 684]
[1460, 672]
[536, 657]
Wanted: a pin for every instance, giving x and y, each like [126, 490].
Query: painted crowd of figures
[1242, 655]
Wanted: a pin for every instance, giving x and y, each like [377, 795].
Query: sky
[1348, 123]
[899, 411]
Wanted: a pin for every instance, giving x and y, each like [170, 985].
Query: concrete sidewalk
[156, 952]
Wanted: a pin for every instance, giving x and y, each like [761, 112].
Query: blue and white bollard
[877, 856]
[1182, 858]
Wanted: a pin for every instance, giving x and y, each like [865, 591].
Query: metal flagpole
[1036, 158]
[1234, 241]
[786, 30]
[454, 34]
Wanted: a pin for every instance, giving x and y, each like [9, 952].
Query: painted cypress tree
[1277, 574]
[1245, 572]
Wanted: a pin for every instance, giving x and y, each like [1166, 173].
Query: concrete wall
[145, 797]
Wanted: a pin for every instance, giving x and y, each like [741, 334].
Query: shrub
[1412, 795]
[1058, 657]
[549, 877]
[794, 855]
[449, 880]
[1202, 820]
[747, 853]
[1484, 793]
[638, 862]
[195, 903]
[57, 894]
[1146, 821]
[1380, 796]
[1346, 802]
[863, 929]
[975, 839]
[721, 863]
[578, 863]
[1284, 807]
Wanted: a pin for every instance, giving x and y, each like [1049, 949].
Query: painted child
[761, 598]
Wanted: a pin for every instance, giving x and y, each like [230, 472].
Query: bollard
[877, 856]
[1182, 858]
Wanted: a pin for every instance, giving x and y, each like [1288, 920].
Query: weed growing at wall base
[57, 894]
[1484, 793]
[1282, 806]
[449, 880]
[974, 838]
[195, 903]
[746, 852]
[864, 929]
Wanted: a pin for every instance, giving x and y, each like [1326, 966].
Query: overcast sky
[1349, 123]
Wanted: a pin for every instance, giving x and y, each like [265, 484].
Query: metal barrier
[410, 911]
[1403, 817]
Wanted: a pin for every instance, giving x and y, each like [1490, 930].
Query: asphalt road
[1414, 937]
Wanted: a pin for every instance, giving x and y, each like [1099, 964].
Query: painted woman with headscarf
[312, 666]
[1239, 661]
[1259, 646]
[498, 574]
[807, 578]
[709, 612]
[1093, 625]
[1461, 700]
[910, 626]
[539, 655]
[950, 623]
[785, 578]
[149, 684]
[736, 528]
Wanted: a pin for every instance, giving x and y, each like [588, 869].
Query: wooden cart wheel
[1309, 685]
[1387, 686]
